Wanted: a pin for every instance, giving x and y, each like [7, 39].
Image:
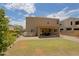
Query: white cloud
[60, 14]
[72, 11]
[63, 14]
[29, 7]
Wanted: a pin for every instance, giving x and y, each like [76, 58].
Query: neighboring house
[14, 27]
[70, 26]
[11, 27]
[42, 27]
[19, 27]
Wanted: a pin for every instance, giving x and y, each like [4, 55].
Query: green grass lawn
[44, 47]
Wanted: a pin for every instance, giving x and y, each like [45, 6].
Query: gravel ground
[70, 38]
[61, 36]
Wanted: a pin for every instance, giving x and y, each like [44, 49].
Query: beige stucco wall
[37, 22]
[67, 24]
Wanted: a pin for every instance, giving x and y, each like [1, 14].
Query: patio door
[46, 31]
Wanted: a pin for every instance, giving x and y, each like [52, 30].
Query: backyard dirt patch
[21, 44]
[39, 51]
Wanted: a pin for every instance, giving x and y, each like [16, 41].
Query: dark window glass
[71, 22]
[32, 30]
[76, 28]
[48, 22]
[68, 28]
[57, 22]
[49, 30]
[55, 30]
[61, 29]
[60, 24]
[77, 23]
[42, 30]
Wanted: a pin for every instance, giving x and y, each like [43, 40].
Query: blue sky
[17, 12]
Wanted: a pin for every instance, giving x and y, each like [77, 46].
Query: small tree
[18, 29]
[4, 31]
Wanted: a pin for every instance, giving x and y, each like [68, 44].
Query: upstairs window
[48, 22]
[76, 22]
[57, 22]
[61, 29]
[60, 24]
[71, 22]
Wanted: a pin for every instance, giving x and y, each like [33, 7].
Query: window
[55, 30]
[32, 30]
[57, 22]
[76, 28]
[61, 29]
[77, 23]
[49, 30]
[68, 28]
[48, 22]
[60, 24]
[71, 22]
[42, 30]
